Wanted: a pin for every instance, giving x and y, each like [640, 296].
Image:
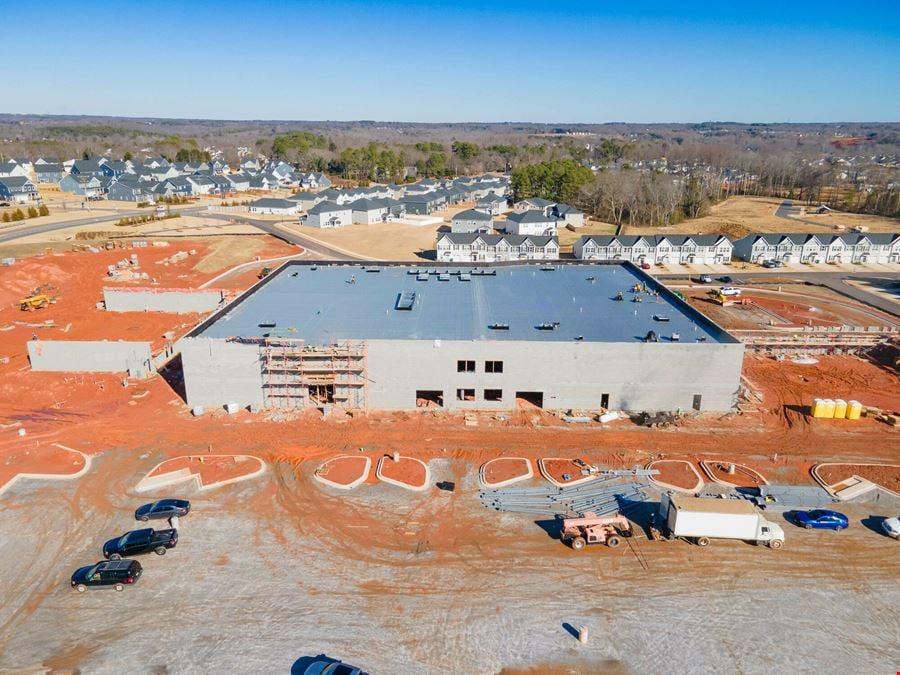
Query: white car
[729, 290]
[891, 527]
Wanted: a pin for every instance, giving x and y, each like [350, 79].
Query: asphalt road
[23, 232]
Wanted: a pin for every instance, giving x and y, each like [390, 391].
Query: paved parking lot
[279, 568]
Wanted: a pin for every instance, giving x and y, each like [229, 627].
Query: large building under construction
[580, 336]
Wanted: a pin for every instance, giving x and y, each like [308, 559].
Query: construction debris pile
[607, 494]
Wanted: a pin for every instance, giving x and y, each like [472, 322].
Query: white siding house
[273, 206]
[476, 247]
[531, 223]
[329, 214]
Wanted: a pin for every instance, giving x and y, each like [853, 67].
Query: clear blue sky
[490, 60]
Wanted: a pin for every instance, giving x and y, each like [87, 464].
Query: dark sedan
[164, 508]
[822, 519]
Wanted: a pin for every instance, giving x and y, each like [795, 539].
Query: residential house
[492, 204]
[307, 200]
[569, 215]
[203, 185]
[273, 206]
[49, 173]
[90, 167]
[18, 189]
[124, 190]
[239, 181]
[424, 204]
[12, 168]
[472, 220]
[531, 222]
[706, 249]
[533, 204]
[221, 184]
[116, 167]
[328, 214]
[370, 211]
[314, 181]
[84, 185]
[477, 247]
[180, 185]
[819, 248]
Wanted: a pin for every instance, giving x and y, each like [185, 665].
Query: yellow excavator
[35, 302]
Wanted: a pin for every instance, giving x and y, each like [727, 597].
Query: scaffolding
[297, 375]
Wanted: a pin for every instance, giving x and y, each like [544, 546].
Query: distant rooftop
[558, 302]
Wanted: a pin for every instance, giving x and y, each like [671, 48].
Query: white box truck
[699, 520]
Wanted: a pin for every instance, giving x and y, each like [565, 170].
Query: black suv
[140, 541]
[116, 573]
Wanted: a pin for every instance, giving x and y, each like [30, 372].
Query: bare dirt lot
[385, 241]
[276, 569]
[740, 216]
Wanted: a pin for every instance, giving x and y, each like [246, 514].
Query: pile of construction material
[607, 494]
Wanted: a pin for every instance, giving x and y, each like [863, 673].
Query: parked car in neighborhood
[729, 290]
[705, 279]
[726, 280]
[164, 508]
[771, 264]
[137, 542]
[112, 573]
[891, 527]
[821, 519]
[645, 266]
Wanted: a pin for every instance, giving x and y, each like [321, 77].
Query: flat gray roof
[326, 302]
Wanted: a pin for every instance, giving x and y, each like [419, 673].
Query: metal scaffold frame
[297, 375]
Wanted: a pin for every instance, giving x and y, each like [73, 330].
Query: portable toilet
[854, 410]
[840, 409]
[828, 408]
[816, 409]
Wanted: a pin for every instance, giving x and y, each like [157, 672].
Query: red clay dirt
[407, 470]
[504, 469]
[95, 413]
[789, 390]
[46, 458]
[343, 470]
[211, 470]
[557, 468]
[677, 472]
[886, 476]
[743, 476]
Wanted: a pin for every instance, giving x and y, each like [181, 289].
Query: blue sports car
[822, 519]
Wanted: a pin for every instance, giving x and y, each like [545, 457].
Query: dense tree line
[556, 180]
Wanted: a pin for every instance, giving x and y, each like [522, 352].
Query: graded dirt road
[280, 568]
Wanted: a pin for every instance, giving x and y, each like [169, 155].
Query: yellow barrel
[816, 408]
[840, 409]
[854, 410]
[828, 408]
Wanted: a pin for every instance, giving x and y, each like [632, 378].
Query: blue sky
[588, 61]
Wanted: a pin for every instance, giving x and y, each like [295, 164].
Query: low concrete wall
[91, 357]
[177, 300]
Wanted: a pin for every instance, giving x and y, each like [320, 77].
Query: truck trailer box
[713, 518]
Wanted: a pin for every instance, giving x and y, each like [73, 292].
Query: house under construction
[566, 335]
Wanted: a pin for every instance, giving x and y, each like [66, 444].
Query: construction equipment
[593, 529]
[657, 420]
[35, 302]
